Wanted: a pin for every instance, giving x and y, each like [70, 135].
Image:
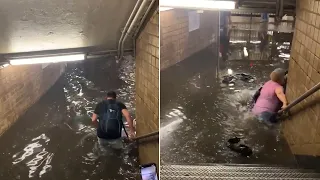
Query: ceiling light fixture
[164, 9]
[49, 59]
[198, 4]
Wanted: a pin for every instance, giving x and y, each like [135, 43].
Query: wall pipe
[134, 47]
[139, 27]
[133, 13]
[134, 21]
[301, 98]
[144, 18]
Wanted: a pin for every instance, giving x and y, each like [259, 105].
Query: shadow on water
[55, 138]
[199, 113]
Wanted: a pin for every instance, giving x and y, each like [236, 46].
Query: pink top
[268, 100]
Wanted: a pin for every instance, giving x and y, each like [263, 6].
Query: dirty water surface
[55, 139]
[199, 113]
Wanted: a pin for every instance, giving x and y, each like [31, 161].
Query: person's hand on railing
[131, 135]
[284, 106]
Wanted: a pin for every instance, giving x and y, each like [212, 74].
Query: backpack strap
[121, 122]
[124, 128]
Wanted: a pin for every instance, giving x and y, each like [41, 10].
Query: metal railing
[301, 98]
[146, 136]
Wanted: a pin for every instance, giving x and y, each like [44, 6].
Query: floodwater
[199, 113]
[55, 139]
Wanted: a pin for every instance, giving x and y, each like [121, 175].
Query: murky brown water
[199, 113]
[55, 139]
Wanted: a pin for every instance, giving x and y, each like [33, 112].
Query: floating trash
[231, 79]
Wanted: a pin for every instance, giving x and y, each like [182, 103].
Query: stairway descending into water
[235, 171]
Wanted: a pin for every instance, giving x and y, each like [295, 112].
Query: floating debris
[231, 79]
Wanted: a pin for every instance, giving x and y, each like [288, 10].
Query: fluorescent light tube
[237, 41]
[255, 42]
[49, 59]
[4, 65]
[164, 8]
[198, 4]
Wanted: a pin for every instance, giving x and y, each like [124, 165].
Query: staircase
[234, 171]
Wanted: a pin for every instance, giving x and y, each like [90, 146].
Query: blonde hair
[278, 75]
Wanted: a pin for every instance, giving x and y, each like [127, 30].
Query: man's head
[278, 75]
[111, 95]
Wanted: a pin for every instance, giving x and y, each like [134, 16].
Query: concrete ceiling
[36, 25]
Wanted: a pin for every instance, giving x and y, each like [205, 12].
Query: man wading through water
[110, 124]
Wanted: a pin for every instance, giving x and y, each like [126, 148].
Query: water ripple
[35, 156]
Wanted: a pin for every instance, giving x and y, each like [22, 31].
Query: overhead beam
[261, 10]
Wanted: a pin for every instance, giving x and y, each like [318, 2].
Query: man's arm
[126, 114]
[282, 97]
[94, 118]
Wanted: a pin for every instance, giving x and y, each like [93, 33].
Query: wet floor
[55, 139]
[199, 113]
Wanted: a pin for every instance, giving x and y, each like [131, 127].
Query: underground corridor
[210, 111]
[201, 109]
[58, 59]
[56, 133]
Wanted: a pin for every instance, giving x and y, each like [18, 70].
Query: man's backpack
[111, 120]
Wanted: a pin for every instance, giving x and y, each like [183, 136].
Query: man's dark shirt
[99, 109]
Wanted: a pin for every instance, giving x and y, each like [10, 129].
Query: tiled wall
[302, 130]
[21, 87]
[147, 88]
[177, 43]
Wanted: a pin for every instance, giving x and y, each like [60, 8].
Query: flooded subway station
[199, 112]
[46, 131]
[55, 138]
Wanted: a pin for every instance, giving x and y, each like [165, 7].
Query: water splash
[126, 73]
[176, 117]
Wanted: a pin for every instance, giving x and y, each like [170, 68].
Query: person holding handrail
[271, 94]
[108, 118]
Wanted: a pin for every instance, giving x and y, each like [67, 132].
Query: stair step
[220, 168]
[166, 177]
[234, 172]
[241, 174]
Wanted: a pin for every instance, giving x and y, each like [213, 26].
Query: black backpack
[111, 120]
[254, 98]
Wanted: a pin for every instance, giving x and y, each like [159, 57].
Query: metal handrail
[301, 98]
[146, 136]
